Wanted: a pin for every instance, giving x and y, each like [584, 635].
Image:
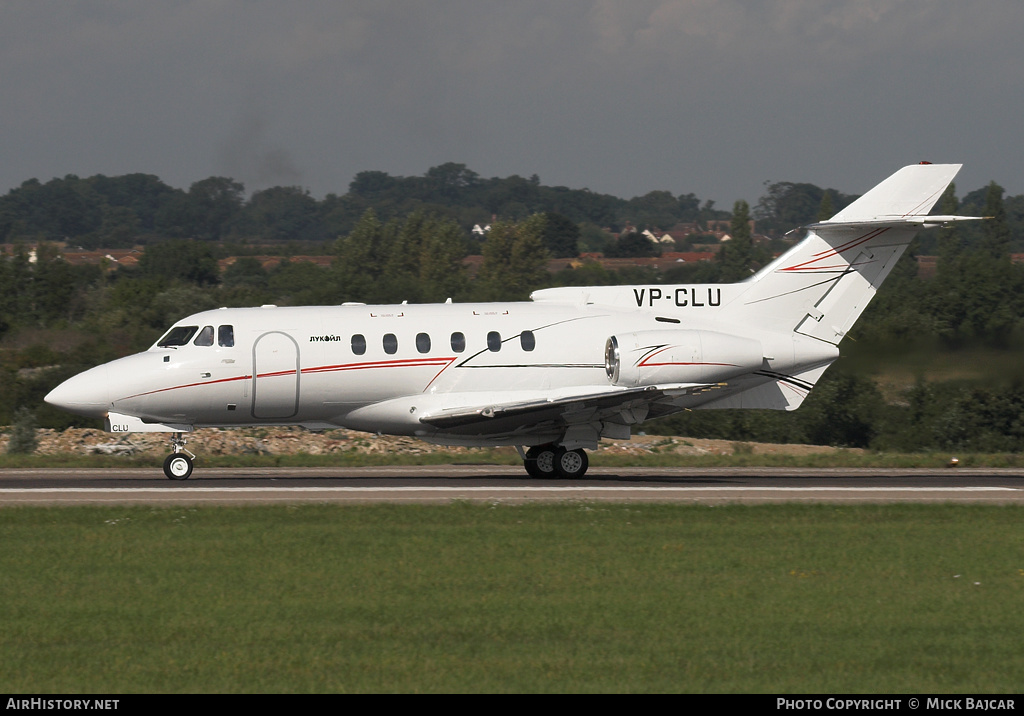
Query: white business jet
[551, 376]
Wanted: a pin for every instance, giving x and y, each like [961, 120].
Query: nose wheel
[178, 465]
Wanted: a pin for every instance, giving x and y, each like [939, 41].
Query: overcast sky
[713, 97]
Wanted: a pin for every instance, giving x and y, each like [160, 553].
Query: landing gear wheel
[178, 466]
[540, 461]
[571, 464]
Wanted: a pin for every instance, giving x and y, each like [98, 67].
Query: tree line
[123, 211]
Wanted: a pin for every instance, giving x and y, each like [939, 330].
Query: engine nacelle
[679, 356]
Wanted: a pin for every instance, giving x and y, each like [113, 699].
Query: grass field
[499, 598]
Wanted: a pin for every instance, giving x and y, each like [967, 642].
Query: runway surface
[491, 483]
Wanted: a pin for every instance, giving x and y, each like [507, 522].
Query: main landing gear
[178, 465]
[546, 461]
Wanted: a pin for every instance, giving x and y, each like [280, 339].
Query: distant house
[683, 231]
[269, 262]
[665, 238]
[109, 259]
[667, 260]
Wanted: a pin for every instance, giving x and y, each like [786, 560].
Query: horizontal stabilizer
[896, 222]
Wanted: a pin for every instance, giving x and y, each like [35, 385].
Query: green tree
[372, 184]
[418, 259]
[282, 214]
[59, 209]
[948, 240]
[120, 229]
[789, 205]
[142, 195]
[53, 285]
[246, 271]
[300, 283]
[23, 434]
[560, 235]
[995, 230]
[358, 257]
[17, 286]
[632, 244]
[841, 410]
[181, 259]
[653, 209]
[825, 210]
[214, 205]
[737, 255]
[450, 182]
[514, 261]
[442, 274]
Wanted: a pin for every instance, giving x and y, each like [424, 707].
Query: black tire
[540, 462]
[178, 466]
[571, 464]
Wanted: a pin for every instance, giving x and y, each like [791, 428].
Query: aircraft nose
[86, 394]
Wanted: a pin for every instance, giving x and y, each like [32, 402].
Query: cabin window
[205, 337]
[359, 344]
[494, 341]
[458, 342]
[226, 336]
[527, 340]
[390, 343]
[422, 342]
[178, 336]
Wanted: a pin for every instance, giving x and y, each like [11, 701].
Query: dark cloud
[709, 96]
[246, 156]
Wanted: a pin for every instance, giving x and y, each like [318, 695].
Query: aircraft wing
[616, 406]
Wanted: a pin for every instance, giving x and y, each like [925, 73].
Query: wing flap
[618, 405]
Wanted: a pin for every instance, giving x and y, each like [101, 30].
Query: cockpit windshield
[177, 336]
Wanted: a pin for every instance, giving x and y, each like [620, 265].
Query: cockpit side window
[177, 336]
[205, 337]
[226, 336]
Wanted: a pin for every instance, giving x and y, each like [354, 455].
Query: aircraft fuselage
[344, 366]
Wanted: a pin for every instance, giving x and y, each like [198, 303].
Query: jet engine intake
[679, 356]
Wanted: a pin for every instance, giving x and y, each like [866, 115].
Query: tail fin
[912, 191]
[821, 286]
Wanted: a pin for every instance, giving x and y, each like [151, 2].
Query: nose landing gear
[178, 465]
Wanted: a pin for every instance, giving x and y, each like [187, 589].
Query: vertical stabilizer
[821, 286]
[912, 191]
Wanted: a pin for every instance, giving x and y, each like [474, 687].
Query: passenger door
[275, 376]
